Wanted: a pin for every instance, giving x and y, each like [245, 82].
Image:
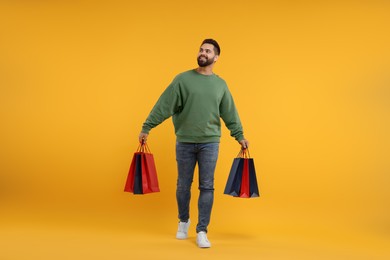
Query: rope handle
[244, 153]
[143, 147]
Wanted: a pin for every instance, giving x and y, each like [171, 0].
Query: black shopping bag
[138, 175]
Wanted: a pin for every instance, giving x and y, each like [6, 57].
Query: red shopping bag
[129, 186]
[244, 189]
[149, 173]
[142, 176]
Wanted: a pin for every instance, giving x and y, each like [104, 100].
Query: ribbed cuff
[145, 130]
[240, 138]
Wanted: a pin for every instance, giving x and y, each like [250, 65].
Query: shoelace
[204, 237]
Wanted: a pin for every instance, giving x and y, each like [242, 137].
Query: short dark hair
[217, 49]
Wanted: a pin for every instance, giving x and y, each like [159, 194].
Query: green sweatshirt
[196, 103]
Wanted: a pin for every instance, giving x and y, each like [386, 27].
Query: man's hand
[142, 136]
[244, 143]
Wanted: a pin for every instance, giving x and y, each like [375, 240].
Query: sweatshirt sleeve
[230, 116]
[167, 105]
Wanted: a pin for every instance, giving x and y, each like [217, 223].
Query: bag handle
[244, 153]
[143, 147]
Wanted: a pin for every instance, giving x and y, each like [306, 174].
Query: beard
[204, 62]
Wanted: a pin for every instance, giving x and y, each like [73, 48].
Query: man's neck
[208, 70]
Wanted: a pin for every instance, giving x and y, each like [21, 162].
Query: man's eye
[207, 51]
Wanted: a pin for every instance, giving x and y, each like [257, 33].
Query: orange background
[310, 80]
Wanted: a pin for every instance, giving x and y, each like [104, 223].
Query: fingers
[244, 144]
[142, 137]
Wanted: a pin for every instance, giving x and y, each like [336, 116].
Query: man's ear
[216, 58]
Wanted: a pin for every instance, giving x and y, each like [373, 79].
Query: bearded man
[197, 99]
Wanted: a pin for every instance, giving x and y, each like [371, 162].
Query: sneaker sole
[204, 246]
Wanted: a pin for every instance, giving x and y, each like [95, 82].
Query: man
[196, 100]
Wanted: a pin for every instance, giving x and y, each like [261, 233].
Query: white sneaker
[182, 230]
[202, 241]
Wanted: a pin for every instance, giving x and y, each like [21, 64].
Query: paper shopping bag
[233, 184]
[244, 189]
[149, 174]
[129, 186]
[142, 176]
[138, 175]
[253, 186]
[242, 181]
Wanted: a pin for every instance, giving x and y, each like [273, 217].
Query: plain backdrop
[310, 80]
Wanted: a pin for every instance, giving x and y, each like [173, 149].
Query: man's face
[206, 55]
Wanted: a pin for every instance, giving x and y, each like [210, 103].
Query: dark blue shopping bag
[233, 184]
[253, 186]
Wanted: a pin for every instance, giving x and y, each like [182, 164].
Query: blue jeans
[187, 155]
